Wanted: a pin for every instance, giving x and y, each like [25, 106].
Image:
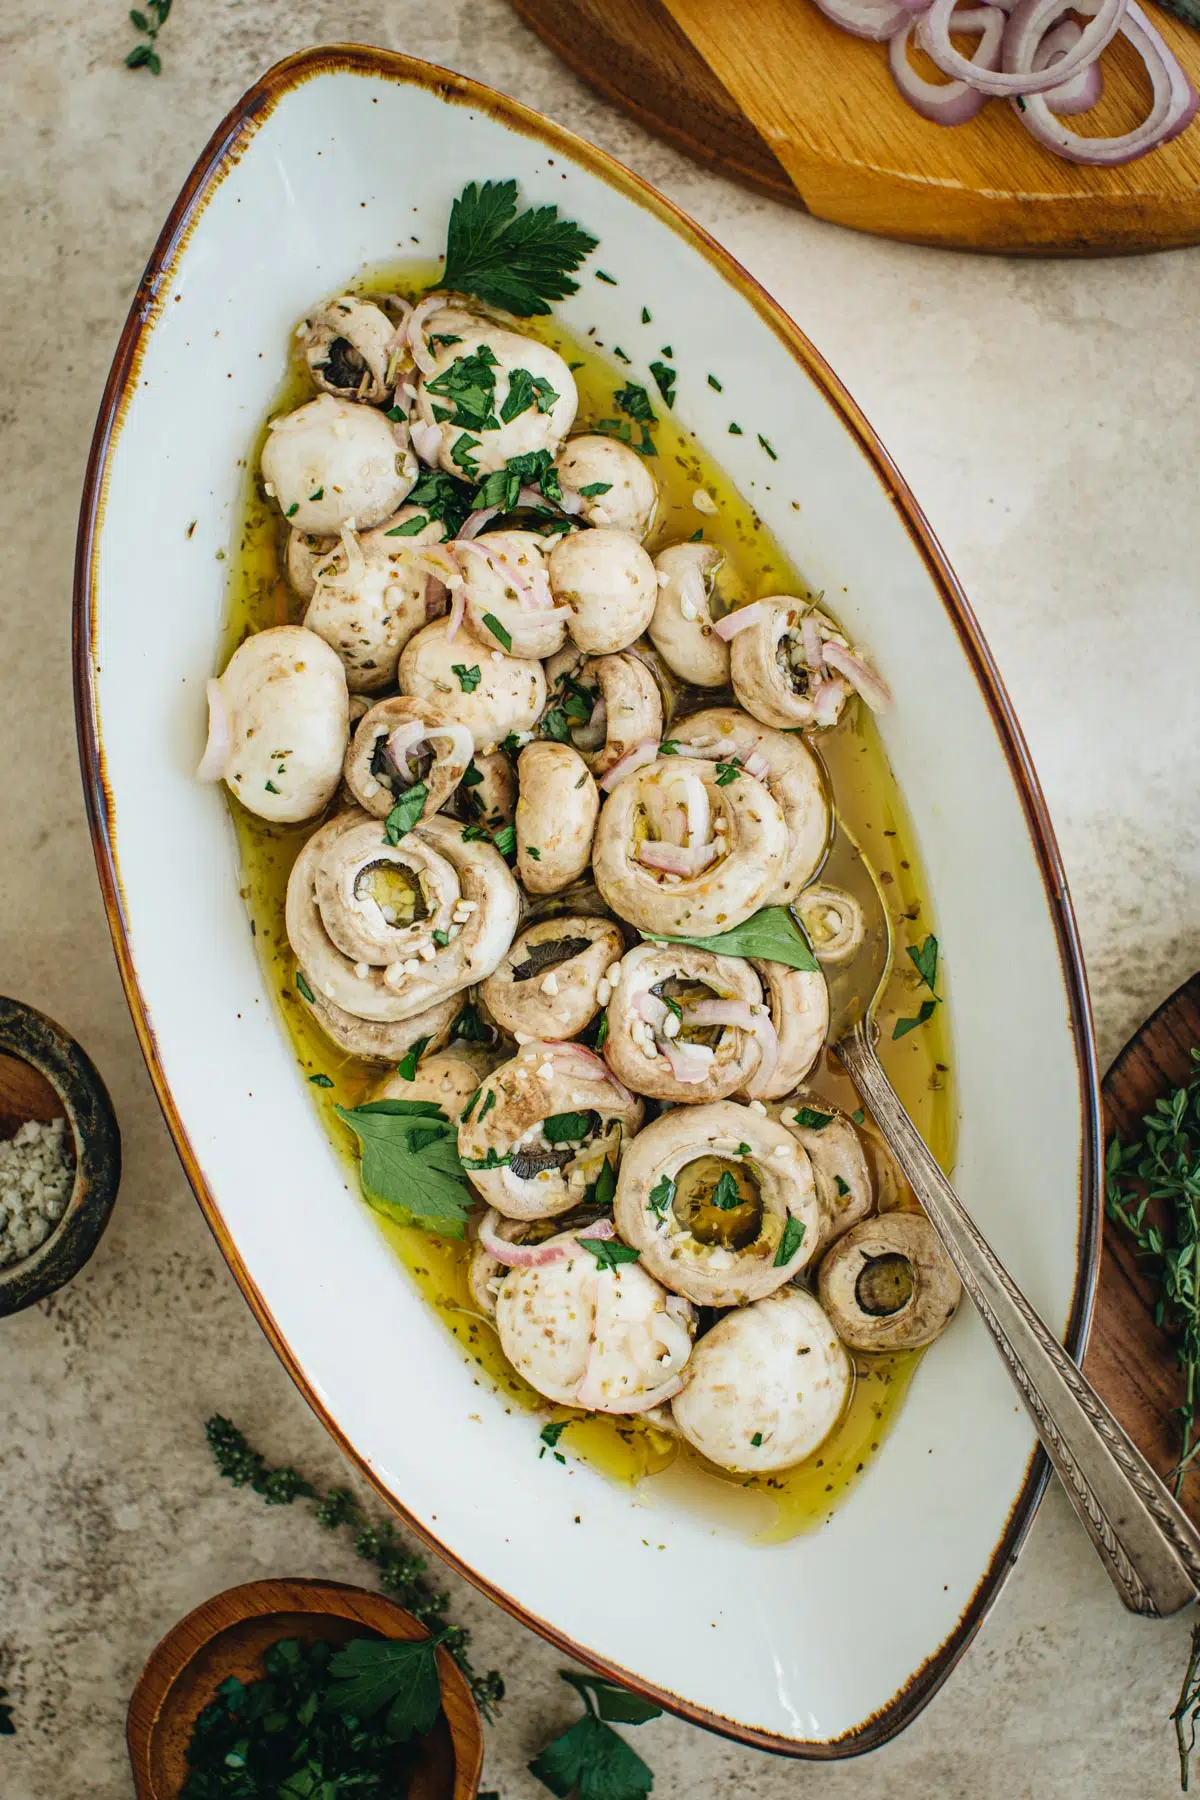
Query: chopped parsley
[924, 958]
[526, 391]
[645, 316]
[304, 989]
[790, 1242]
[725, 1196]
[321, 1081]
[533, 851]
[714, 383]
[668, 747]
[468, 679]
[489, 1100]
[661, 1196]
[440, 496]
[497, 630]
[567, 1128]
[843, 1187]
[535, 468]
[319, 495]
[519, 261]
[441, 938]
[727, 772]
[550, 1434]
[505, 840]
[490, 1161]
[609, 1252]
[405, 813]
[859, 1117]
[756, 1440]
[735, 430]
[595, 487]
[809, 1119]
[665, 379]
[406, 1068]
[767, 447]
[925, 1011]
[610, 279]
[270, 787]
[462, 454]
[410, 527]
[292, 510]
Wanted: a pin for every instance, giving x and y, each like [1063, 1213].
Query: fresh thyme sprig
[1152, 1190]
[1187, 1709]
[150, 23]
[401, 1574]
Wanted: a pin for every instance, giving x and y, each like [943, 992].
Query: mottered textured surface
[1045, 415]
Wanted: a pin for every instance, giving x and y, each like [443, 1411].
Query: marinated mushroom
[383, 1040]
[834, 922]
[348, 346]
[362, 914]
[550, 982]
[791, 666]
[840, 1167]
[278, 719]
[331, 463]
[616, 486]
[608, 582]
[766, 1385]
[798, 1004]
[504, 579]
[445, 1078]
[557, 809]
[500, 395]
[371, 594]
[682, 627]
[789, 771]
[684, 1024]
[487, 793]
[888, 1284]
[402, 743]
[605, 1339]
[721, 1202]
[489, 692]
[305, 549]
[543, 1128]
[679, 854]
[628, 714]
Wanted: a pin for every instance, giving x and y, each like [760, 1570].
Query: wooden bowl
[45, 1075]
[229, 1634]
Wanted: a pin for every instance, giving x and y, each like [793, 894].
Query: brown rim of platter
[222, 151]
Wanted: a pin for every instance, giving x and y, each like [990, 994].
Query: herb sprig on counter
[149, 23]
[590, 1759]
[519, 261]
[401, 1574]
[7, 1726]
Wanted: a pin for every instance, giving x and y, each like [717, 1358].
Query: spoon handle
[1145, 1540]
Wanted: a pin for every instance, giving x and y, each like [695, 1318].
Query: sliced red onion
[649, 1007]
[402, 740]
[943, 102]
[689, 1063]
[699, 812]
[677, 859]
[414, 329]
[215, 760]
[637, 758]
[1026, 28]
[1083, 91]
[757, 765]
[474, 523]
[571, 501]
[720, 1012]
[810, 631]
[1173, 99]
[827, 698]
[532, 1256]
[426, 441]
[736, 621]
[458, 608]
[590, 1392]
[768, 1044]
[866, 18]
[864, 680]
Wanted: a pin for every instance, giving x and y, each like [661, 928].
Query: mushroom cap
[608, 581]
[724, 894]
[715, 1274]
[637, 1017]
[305, 549]
[630, 705]
[284, 696]
[371, 771]
[346, 346]
[531, 430]
[447, 1078]
[682, 627]
[385, 1041]
[774, 1372]
[901, 1253]
[545, 1081]
[769, 669]
[576, 951]
[509, 697]
[557, 808]
[605, 1339]
[834, 1148]
[371, 965]
[791, 772]
[370, 595]
[630, 500]
[504, 575]
[346, 453]
[798, 1002]
[833, 920]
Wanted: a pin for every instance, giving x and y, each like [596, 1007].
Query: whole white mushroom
[609, 583]
[523, 388]
[278, 723]
[616, 486]
[333, 461]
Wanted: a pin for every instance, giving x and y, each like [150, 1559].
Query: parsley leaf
[608, 1252]
[634, 400]
[468, 679]
[410, 1163]
[568, 1128]
[809, 1119]
[462, 454]
[665, 379]
[714, 383]
[727, 772]
[497, 630]
[925, 1011]
[371, 1673]
[517, 261]
[525, 391]
[603, 1189]
[505, 840]
[304, 989]
[725, 1195]
[616, 1704]
[469, 1026]
[410, 527]
[590, 1759]
[321, 1081]
[771, 934]
[406, 812]
[470, 386]
[593, 488]
[925, 960]
[406, 1068]
[551, 1433]
[533, 468]
[843, 1187]
[442, 497]
[790, 1242]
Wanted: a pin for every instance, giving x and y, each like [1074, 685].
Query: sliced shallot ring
[458, 607]
[632, 759]
[676, 859]
[689, 1062]
[863, 679]
[414, 331]
[426, 441]
[220, 736]
[589, 1396]
[943, 103]
[874, 19]
[1026, 28]
[532, 1256]
[474, 523]
[1082, 92]
[738, 620]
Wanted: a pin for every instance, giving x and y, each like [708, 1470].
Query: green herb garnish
[518, 261]
[772, 934]
[608, 1252]
[321, 1081]
[531, 850]
[725, 1195]
[292, 510]
[611, 280]
[567, 1128]
[410, 527]
[526, 391]
[843, 1187]
[756, 1440]
[497, 630]
[665, 381]
[410, 1164]
[811, 1120]
[150, 22]
[727, 772]
[406, 812]
[590, 1759]
[406, 1068]
[550, 1434]
[505, 840]
[770, 452]
[469, 384]
[790, 1242]
[468, 679]
[304, 989]
[924, 958]
[714, 383]
[595, 487]
[925, 1011]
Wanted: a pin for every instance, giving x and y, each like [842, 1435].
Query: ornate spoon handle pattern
[1146, 1542]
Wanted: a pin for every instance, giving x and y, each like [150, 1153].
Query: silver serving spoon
[1145, 1540]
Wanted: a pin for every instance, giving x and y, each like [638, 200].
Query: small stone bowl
[229, 1634]
[45, 1075]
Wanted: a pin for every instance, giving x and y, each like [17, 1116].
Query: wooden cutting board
[1128, 1359]
[773, 94]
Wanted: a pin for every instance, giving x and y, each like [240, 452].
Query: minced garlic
[37, 1173]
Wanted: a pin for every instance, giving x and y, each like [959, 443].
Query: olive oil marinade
[768, 1507]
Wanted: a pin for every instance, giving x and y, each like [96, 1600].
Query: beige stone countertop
[1045, 414]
